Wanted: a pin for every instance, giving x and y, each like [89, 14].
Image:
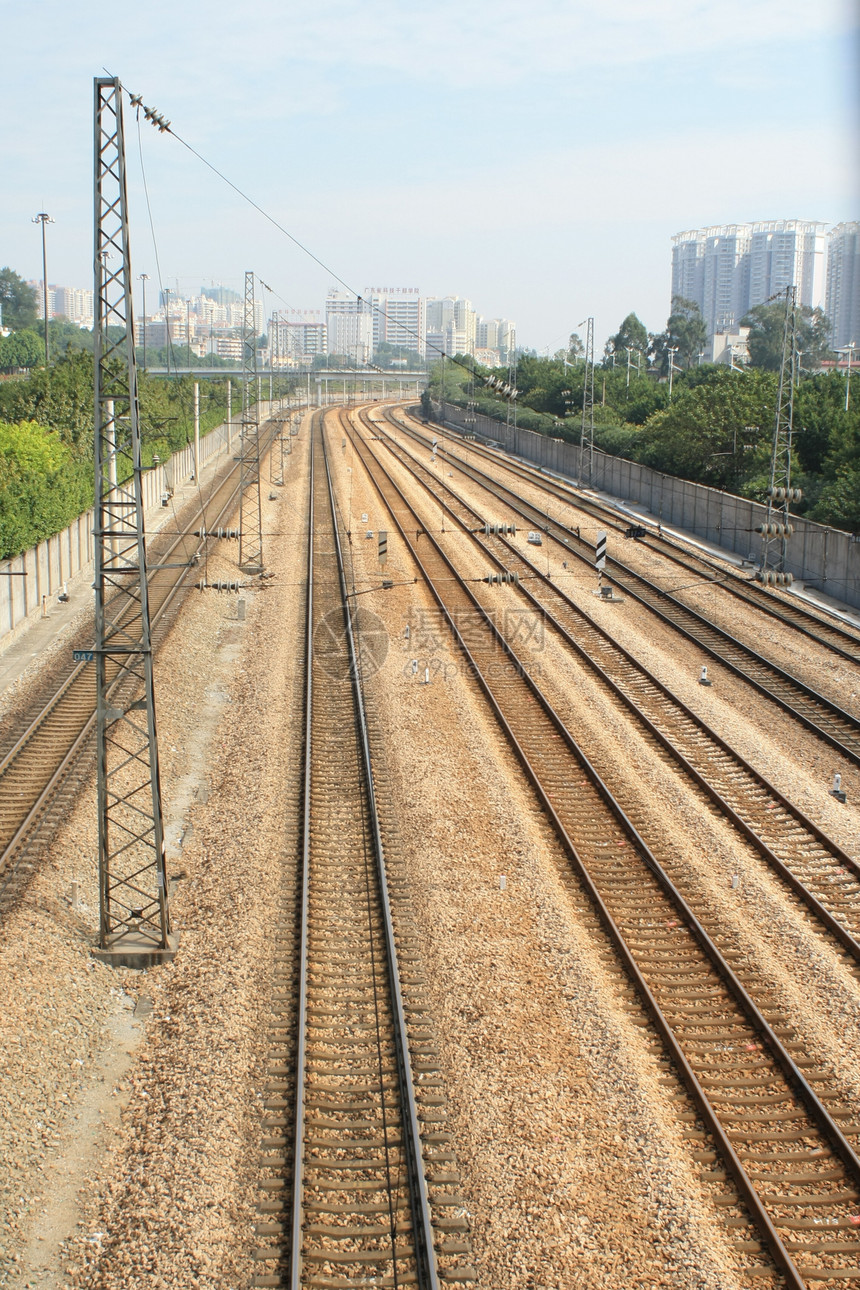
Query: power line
[164, 127]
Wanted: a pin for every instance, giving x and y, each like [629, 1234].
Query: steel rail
[839, 857]
[301, 1011]
[392, 496]
[838, 637]
[697, 627]
[83, 714]
[423, 1250]
[421, 1222]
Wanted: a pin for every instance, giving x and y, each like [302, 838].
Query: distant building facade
[306, 341]
[451, 326]
[73, 303]
[729, 269]
[399, 318]
[729, 347]
[842, 302]
[349, 326]
[296, 344]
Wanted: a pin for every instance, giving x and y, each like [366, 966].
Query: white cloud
[493, 42]
[489, 43]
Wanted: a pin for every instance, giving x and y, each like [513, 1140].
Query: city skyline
[210, 318]
[536, 162]
[729, 269]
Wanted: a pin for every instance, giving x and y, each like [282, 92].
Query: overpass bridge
[329, 381]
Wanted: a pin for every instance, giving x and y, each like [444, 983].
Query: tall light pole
[144, 278]
[671, 351]
[167, 325]
[849, 350]
[43, 218]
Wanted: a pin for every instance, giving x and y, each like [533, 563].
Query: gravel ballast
[129, 1103]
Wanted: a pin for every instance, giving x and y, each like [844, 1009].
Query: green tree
[66, 337]
[767, 328]
[839, 501]
[632, 334]
[716, 432]
[685, 333]
[20, 349]
[17, 301]
[42, 485]
[60, 398]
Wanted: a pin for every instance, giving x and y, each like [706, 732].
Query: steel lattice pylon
[250, 505]
[586, 438]
[135, 921]
[777, 527]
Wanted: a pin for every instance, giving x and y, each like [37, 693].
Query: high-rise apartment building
[349, 326]
[296, 344]
[445, 340]
[495, 337]
[728, 269]
[73, 303]
[399, 318]
[725, 277]
[787, 253]
[451, 325]
[842, 304]
[487, 333]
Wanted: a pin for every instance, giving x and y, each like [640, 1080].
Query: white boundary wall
[825, 559]
[70, 554]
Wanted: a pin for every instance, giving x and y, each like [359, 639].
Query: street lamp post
[849, 350]
[672, 351]
[167, 325]
[144, 278]
[43, 218]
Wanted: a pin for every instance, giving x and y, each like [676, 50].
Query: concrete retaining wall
[825, 559]
[70, 554]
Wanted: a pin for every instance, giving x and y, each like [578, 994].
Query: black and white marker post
[603, 592]
[600, 559]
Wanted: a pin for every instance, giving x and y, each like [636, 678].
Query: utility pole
[144, 278]
[167, 325]
[849, 350]
[43, 218]
[134, 925]
[671, 351]
[777, 528]
[250, 505]
[586, 437]
[229, 414]
[274, 348]
[197, 433]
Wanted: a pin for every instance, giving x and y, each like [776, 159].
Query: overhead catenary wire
[204, 502]
[165, 127]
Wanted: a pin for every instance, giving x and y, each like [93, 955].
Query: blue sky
[536, 157]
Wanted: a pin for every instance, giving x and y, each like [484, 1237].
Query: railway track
[819, 872]
[778, 605]
[774, 1133]
[817, 713]
[48, 754]
[359, 1177]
